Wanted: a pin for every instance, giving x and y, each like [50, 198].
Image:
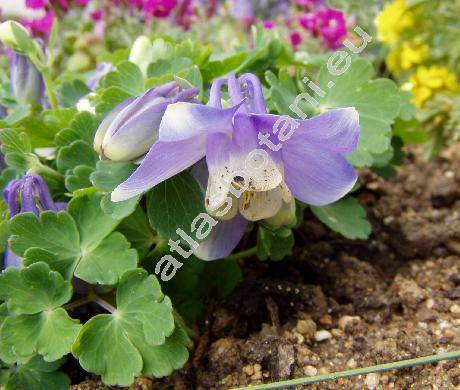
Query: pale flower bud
[142, 53]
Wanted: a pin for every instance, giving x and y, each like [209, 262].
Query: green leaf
[42, 130]
[109, 98]
[78, 178]
[50, 333]
[82, 127]
[16, 115]
[109, 175]
[377, 101]
[217, 67]
[77, 153]
[82, 246]
[137, 230]
[36, 323]
[193, 49]
[14, 142]
[164, 67]
[127, 77]
[346, 217]
[137, 337]
[71, 92]
[106, 177]
[110, 259]
[24, 42]
[93, 224]
[33, 289]
[119, 210]
[37, 374]
[174, 204]
[54, 234]
[283, 93]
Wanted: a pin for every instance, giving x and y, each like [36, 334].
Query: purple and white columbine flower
[27, 194]
[310, 165]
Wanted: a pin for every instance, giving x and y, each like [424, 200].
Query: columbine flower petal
[185, 120]
[164, 160]
[223, 238]
[316, 175]
[237, 164]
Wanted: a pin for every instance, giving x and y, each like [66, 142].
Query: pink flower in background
[296, 38]
[97, 15]
[332, 26]
[82, 2]
[309, 21]
[36, 4]
[269, 24]
[159, 8]
[40, 26]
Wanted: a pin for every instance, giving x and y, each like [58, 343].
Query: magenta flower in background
[309, 21]
[96, 16]
[332, 26]
[310, 165]
[36, 4]
[269, 24]
[296, 38]
[42, 26]
[159, 8]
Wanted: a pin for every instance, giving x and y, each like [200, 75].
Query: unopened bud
[142, 53]
[129, 131]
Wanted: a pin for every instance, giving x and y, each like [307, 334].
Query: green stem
[49, 89]
[79, 302]
[243, 254]
[45, 170]
[358, 371]
[104, 304]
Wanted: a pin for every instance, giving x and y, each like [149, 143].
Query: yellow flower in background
[392, 21]
[406, 56]
[428, 81]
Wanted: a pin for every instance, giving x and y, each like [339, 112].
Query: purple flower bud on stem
[27, 194]
[27, 84]
[129, 131]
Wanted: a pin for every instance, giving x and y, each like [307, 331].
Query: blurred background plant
[421, 56]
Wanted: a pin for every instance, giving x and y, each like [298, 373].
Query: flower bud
[7, 35]
[27, 85]
[28, 194]
[129, 131]
[142, 53]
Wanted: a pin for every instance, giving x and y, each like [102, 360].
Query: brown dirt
[337, 304]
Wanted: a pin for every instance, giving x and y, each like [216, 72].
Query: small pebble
[326, 320]
[248, 370]
[455, 309]
[310, 371]
[306, 327]
[345, 320]
[322, 335]
[351, 363]
[257, 375]
[372, 381]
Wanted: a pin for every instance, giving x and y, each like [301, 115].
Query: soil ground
[336, 304]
